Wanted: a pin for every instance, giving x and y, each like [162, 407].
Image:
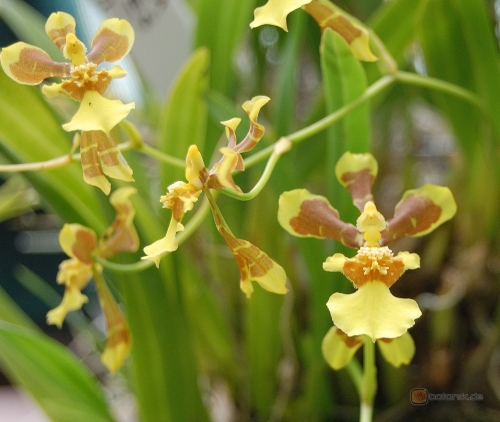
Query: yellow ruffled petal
[274, 12]
[30, 65]
[335, 263]
[72, 300]
[374, 311]
[112, 41]
[98, 113]
[167, 244]
[58, 26]
[78, 242]
[338, 349]
[74, 273]
[411, 261]
[397, 351]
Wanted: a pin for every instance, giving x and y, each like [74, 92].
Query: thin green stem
[369, 382]
[355, 373]
[438, 85]
[279, 148]
[326, 121]
[167, 159]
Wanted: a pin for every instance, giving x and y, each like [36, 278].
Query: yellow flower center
[374, 264]
[371, 223]
[74, 50]
[80, 75]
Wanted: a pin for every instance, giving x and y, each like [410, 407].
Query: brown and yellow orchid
[82, 246]
[97, 115]
[327, 15]
[372, 310]
[254, 264]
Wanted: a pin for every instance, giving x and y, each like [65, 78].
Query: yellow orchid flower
[82, 245]
[372, 310]
[254, 264]
[97, 115]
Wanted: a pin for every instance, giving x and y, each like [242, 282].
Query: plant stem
[279, 148]
[368, 382]
[438, 85]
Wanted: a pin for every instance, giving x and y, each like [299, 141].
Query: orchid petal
[274, 12]
[338, 348]
[112, 161]
[306, 215]
[397, 351]
[118, 339]
[30, 65]
[58, 26]
[98, 113]
[121, 236]
[356, 36]
[166, 244]
[112, 41]
[419, 212]
[78, 242]
[357, 172]
[72, 300]
[89, 153]
[372, 310]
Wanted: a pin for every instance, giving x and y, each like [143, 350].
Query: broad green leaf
[16, 198]
[264, 336]
[183, 119]
[11, 312]
[344, 81]
[62, 386]
[395, 23]
[221, 26]
[29, 132]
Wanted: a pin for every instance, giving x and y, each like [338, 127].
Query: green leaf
[221, 25]
[62, 386]
[11, 312]
[183, 119]
[394, 22]
[344, 81]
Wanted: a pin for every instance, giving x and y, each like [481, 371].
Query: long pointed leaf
[61, 385]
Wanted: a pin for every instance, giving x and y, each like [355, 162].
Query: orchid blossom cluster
[254, 264]
[82, 246]
[97, 115]
[372, 310]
